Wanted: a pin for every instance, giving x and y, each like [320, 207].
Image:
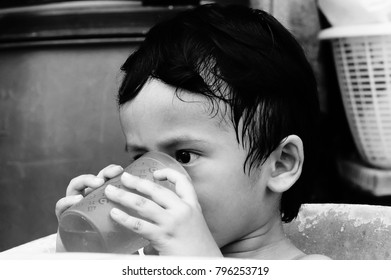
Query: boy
[227, 92]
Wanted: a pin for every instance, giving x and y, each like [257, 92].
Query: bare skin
[221, 210]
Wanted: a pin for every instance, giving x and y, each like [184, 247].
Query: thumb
[149, 250]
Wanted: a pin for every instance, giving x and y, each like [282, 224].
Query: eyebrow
[168, 143]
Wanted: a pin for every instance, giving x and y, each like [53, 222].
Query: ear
[286, 163]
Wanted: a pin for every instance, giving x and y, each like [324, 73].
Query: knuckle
[80, 178]
[170, 226]
[157, 187]
[185, 210]
[108, 167]
[86, 177]
[180, 216]
[106, 170]
[181, 178]
[111, 168]
[79, 183]
[73, 181]
[59, 205]
[137, 225]
[144, 184]
[185, 178]
[184, 213]
[141, 202]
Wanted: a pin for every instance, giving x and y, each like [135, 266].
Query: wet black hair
[245, 58]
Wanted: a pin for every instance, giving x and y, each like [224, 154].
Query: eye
[185, 157]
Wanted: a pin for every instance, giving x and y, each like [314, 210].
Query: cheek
[218, 187]
[227, 200]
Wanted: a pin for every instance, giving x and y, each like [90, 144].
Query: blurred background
[59, 74]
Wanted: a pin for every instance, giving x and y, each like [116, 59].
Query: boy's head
[253, 77]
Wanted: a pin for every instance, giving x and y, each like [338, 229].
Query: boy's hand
[172, 222]
[84, 184]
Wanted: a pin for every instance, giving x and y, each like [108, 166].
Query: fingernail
[99, 180]
[127, 175]
[115, 212]
[110, 188]
[120, 167]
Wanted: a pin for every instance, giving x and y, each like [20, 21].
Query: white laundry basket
[362, 57]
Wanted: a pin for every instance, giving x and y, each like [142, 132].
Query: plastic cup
[87, 225]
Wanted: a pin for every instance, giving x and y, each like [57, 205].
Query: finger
[146, 229]
[110, 171]
[143, 206]
[159, 194]
[66, 202]
[78, 184]
[87, 191]
[149, 250]
[183, 187]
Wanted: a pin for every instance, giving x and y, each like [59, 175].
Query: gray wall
[58, 119]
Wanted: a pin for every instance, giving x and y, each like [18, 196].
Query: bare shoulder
[315, 257]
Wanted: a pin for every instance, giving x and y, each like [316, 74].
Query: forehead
[160, 102]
